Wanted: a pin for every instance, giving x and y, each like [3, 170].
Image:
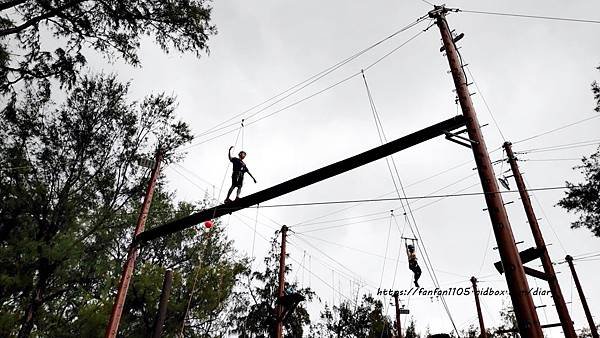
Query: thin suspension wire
[254, 236]
[341, 273]
[387, 244]
[242, 126]
[301, 264]
[383, 139]
[485, 251]
[547, 219]
[336, 83]
[529, 16]
[321, 279]
[343, 225]
[423, 252]
[309, 96]
[557, 129]
[198, 270]
[300, 85]
[444, 197]
[485, 103]
[228, 164]
[350, 271]
[193, 145]
[551, 159]
[391, 192]
[345, 246]
[560, 147]
[188, 179]
[399, 248]
[366, 200]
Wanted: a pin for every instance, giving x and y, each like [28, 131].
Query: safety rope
[198, 269]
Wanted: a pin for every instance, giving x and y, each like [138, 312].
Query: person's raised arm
[229, 153]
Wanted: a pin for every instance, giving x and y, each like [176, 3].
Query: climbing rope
[198, 269]
[421, 248]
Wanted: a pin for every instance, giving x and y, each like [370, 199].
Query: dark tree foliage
[114, 28]
[70, 191]
[362, 318]
[411, 330]
[256, 311]
[508, 322]
[596, 91]
[584, 198]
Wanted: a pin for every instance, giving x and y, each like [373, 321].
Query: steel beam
[306, 179]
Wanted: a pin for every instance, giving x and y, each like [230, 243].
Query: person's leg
[239, 190]
[229, 192]
[417, 275]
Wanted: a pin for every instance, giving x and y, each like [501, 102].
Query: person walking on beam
[237, 176]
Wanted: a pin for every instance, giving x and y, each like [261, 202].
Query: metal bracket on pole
[535, 273]
[451, 137]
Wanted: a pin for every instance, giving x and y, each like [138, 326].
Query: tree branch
[33, 21]
[11, 3]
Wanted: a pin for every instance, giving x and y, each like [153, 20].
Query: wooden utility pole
[479, 315]
[550, 275]
[162, 304]
[586, 308]
[279, 307]
[115, 316]
[518, 287]
[398, 323]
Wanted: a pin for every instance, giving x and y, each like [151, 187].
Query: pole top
[568, 258]
[473, 280]
[438, 11]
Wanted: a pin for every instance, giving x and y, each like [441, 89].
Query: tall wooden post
[115, 316]
[279, 309]
[479, 315]
[162, 304]
[586, 308]
[557, 296]
[518, 287]
[398, 323]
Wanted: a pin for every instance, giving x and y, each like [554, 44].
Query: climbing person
[290, 299]
[412, 263]
[237, 176]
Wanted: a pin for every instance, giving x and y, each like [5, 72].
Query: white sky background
[534, 74]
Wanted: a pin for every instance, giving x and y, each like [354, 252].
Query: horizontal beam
[544, 326]
[526, 255]
[304, 180]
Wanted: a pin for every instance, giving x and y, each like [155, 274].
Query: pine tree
[584, 198]
[70, 193]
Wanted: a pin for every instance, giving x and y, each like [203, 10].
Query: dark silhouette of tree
[411, 331]
[256, 312]
[364, 318]
[114, 28]
[584, 198]
[70, 192]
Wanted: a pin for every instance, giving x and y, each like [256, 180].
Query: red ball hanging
[208, 224]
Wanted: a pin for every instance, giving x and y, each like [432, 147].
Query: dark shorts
[237, 179]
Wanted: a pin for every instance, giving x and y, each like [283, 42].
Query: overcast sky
[535, 76]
